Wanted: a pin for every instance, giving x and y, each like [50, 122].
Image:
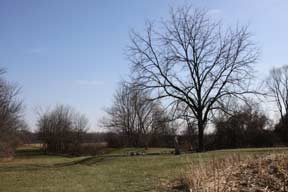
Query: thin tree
[277, 84]
[192, 60]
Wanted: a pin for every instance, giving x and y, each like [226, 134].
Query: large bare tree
[192, 60]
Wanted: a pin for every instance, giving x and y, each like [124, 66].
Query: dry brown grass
[265, 173]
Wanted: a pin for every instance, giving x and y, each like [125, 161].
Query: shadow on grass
[94, 160]
[30, 152]
[88, 161]
[85, 161]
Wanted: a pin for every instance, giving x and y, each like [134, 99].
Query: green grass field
[32, 171]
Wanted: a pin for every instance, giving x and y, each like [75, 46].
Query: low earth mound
[265, 173]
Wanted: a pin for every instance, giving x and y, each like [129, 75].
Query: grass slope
[32, 171]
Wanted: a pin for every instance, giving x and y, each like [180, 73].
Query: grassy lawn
[32, 171]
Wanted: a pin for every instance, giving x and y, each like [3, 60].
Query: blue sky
[73, 52]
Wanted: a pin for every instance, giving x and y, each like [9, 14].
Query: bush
[281, 129]
[6, 149]
[92, 148]
[62, 130]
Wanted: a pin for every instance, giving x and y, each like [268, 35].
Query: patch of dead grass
[265, 173]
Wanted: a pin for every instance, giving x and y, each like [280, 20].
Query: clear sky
[73, 51]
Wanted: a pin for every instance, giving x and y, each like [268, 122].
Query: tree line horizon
[188, 72]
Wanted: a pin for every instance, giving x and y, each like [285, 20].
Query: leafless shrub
[247, 126]
[62, 129]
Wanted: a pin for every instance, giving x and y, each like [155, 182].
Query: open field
[32, 171]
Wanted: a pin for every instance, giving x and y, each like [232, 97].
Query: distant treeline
[246, 128]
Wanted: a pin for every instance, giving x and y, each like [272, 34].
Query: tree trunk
[200, 136]
[176, 145]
